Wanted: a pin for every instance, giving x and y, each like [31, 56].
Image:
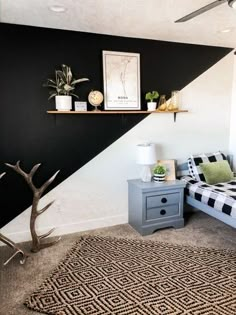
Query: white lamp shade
[146, 154]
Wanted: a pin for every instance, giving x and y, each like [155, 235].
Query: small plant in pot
[151, 96]
[159, 173]
[62, 87]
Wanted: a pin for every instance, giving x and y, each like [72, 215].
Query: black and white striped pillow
[196, 160]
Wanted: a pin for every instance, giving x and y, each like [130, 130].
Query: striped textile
[221, 197]
[195, 160]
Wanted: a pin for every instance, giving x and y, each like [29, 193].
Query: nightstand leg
[179, 224]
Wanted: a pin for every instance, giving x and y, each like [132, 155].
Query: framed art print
[80, 106]
[170, 168]
[121, 79]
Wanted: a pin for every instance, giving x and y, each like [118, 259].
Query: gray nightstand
[153, 206]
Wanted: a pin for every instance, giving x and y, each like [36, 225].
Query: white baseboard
[24, 236]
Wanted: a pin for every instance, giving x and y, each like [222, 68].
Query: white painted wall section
[232, 139]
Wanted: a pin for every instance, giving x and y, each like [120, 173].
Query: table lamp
[146, 156]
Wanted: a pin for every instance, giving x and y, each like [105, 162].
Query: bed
[218, 200]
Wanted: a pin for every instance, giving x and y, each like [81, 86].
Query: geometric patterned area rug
[104, 275]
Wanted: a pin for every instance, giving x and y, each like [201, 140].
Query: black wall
[29, 55]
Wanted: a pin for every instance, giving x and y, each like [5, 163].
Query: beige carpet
[109, 276]
[17, 281]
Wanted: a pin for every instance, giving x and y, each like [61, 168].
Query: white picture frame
[121, 80]
[80, 106]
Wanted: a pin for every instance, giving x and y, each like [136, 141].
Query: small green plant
[150, 96]
[159, 169]
[64, 82]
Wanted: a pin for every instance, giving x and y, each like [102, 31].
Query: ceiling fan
[231, 3]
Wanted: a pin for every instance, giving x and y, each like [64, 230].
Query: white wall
[232, 139]
[96, 195]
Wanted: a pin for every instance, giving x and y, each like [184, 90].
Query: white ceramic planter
[63, 102]
[159, 178]
[151, 106]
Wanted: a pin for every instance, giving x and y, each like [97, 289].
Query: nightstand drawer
[162, 212]
[159, 200]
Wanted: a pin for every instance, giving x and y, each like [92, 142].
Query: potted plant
[151, 96]
[62, 88]
[159, 173]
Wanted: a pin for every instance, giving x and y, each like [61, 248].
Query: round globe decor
[95, 98]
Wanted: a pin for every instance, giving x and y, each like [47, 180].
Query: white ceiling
[152, 19]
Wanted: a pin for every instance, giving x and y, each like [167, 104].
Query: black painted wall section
[29, 55]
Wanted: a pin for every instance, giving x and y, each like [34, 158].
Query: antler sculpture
[13, 245]
[37, 244]
[8, 242]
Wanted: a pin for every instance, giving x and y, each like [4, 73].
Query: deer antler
[1, 175]
[8, 242]
[37, 193]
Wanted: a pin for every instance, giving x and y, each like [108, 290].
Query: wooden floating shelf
[109, 112]
[112, 112]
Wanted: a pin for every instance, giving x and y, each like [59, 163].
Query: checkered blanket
[221, 197]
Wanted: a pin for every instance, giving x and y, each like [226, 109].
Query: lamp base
[146, 175]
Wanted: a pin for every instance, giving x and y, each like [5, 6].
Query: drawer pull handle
[163, 200]
[163, 212]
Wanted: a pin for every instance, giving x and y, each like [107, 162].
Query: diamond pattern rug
[103, 275]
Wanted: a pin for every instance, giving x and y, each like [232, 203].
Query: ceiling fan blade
[201, 10]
